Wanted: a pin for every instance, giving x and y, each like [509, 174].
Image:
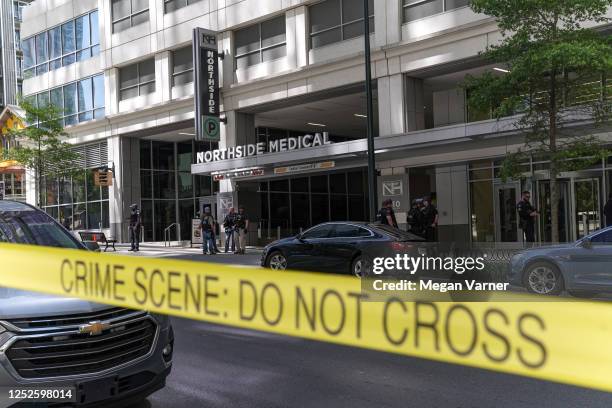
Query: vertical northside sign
[206, 82]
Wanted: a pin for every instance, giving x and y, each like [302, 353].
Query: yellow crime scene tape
[566, 342]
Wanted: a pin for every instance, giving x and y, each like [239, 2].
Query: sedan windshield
[34, 228]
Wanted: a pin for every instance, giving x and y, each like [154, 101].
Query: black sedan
[339, 247]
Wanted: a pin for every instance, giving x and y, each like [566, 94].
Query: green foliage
[557, 75]
[42, 147]
[41, 144]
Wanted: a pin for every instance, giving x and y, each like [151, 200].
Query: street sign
[206, 72]
[196, 232]
[210, 127]
[103, 178]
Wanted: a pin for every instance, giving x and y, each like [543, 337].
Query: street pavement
[219, 366]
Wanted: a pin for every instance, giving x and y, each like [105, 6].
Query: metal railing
[168, 230]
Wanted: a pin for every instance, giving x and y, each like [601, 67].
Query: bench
[98, 237]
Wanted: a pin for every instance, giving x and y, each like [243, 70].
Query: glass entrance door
[543, 206]
[506, 217]
[587, 206]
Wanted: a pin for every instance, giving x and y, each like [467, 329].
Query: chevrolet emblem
[94, 328]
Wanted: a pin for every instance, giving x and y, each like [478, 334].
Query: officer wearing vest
[134, 227]
[229, 223]
[241, 228]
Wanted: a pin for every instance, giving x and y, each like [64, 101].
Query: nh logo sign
[207, 40]
[393, 188]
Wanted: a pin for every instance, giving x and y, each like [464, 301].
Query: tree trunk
[38, 175]
[554, 172]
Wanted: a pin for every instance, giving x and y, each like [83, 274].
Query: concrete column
[239, 129]
[125, 155]
[163, 74]
[302, 43]
[111, 91]
[387, 19]
[226, 46]
[391, 105]
[30, 187]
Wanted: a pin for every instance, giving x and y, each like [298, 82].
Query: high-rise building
[12, 175]
[292, 72]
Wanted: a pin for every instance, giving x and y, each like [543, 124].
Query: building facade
[12, 175]
[292, 148]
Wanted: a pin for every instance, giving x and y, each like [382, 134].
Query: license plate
[97, 390]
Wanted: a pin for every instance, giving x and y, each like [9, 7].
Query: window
[320, 231]
[75, 200]
[349, 231]
[75, 40]
[416, 9]
[137, 79]
[262, 42]
[171, 5]
[78, 101]
[333, 21]
[129, 13]
[603, 238]
[182, 66]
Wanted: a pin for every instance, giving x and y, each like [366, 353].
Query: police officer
[134, 227]
[229, 223]
[415, 217]
[386, 214]
[527, 215]
[241, 228]
[430, 219]
[207, 225]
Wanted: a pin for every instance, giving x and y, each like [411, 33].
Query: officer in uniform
[415, 217]
[134, 228]
[241, 228]
[386, 214]
[430, 220]
[207, 225]
[527, 216]
[229, 223]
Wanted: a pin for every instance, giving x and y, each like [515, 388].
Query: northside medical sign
[273, 146]
[206, 82]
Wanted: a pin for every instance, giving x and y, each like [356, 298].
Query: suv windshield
[34, 228]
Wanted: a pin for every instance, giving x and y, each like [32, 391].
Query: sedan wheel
[358, 267]
[277, 261]
[544, 279]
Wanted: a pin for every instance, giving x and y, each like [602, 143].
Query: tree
[41, 146]
[554, 75]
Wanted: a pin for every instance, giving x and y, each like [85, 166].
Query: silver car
[106, 355]
[583, 268]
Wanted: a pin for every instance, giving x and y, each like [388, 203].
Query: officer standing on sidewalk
[134, 227]
[241, 227]
[430, 219]
[229, 223]
[415, 218]
[207, 225]
[386, 215]
[527, 214]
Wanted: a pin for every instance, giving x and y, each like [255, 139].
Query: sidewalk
[251, 258]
